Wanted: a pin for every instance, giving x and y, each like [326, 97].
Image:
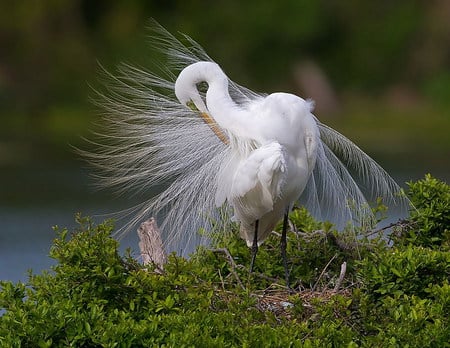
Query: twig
[215, 128]
[292, 227]
[341, 276]
[232, 264]
[323, 272]
[221, 279]
[343, 245]
[304, 235]
[309, 235]
[400, 223]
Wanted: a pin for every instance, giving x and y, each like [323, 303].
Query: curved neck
[218, 101]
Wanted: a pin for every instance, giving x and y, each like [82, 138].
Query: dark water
[26, 236]
[34, 200]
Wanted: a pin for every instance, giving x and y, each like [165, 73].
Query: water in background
[26, 236]
[34, 200]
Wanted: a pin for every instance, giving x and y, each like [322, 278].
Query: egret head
[186, 84]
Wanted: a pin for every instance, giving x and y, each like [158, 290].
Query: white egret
[226, 153]
[273, 145]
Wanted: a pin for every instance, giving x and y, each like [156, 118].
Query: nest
[280, 302]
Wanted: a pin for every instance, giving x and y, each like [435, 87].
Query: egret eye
[202, 87]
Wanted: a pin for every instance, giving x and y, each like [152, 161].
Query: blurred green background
[379, 72]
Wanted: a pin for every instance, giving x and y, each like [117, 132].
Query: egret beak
[210, 122]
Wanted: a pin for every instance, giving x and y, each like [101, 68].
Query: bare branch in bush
[402, 223]
[341, 276]
[323, 272]
[231, 262]
[150, 244]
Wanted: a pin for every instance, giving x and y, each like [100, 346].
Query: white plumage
[252, 159]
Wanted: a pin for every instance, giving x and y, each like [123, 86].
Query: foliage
[391, 296]
[431, 198]
[405, 293]
[409, 271]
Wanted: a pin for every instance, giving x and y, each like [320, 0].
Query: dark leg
[254, 246]
[283, 247]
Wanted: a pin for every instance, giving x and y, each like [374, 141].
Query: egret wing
[259, 178]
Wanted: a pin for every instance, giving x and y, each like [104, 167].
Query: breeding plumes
[209, 155]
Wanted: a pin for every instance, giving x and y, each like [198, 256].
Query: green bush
[392, 296]
[410, 321]
[409, 271]
[431, 217]
[405, 293]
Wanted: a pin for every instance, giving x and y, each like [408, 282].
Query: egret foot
[283, 248]
[254, 246]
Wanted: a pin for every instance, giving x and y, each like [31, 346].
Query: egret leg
[283, 247]
[254, 246]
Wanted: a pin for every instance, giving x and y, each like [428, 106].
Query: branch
[341, 276]
[150, 244]
[402, 223]
[343, 245]
[322, 273]
[232, 264]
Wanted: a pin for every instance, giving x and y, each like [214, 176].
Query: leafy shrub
[392, 296]
[410, 271]
[431, 198]
[404, 298]
[410, 321]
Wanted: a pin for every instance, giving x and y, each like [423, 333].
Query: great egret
[226, 153]
[273, 144]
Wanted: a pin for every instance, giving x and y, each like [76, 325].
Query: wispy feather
[152, 145]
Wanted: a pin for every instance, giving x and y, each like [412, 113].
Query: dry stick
[341, 276]
[221, 279]
[232, 264]
[292, 227]
[150, 244]
[403, 223]
[323, 272]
